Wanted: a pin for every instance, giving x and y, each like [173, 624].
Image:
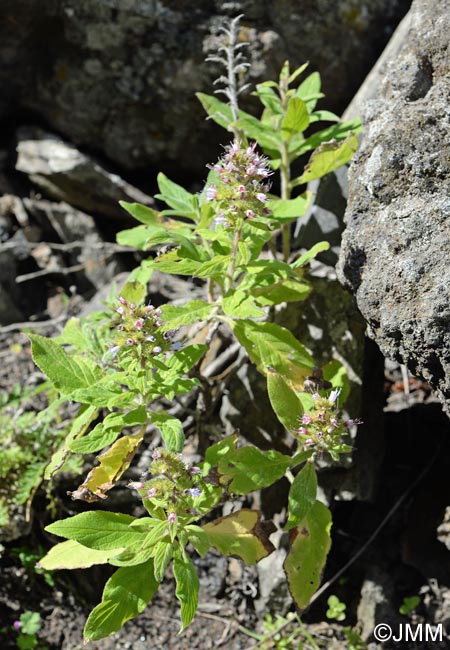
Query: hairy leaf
[98, 529]
[187, 587]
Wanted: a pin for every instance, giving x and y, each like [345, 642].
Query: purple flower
[171, 518]
[242, 189]
[130, 342]
[334, 395]
[309, 443]
[333, 422]
[149, 308]
[150, 338]
[262, 197]
[176, 346]
[156, 455]
[315, 396]
[114, 350]
[120, 310]
[194, 492]
[17, 625]
[211, 193]
[158, 312]
[249, 214]
[352, 423]
[152, 492]
[306, 419]
[193, 471]
[157, 349]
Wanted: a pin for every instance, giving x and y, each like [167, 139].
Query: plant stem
[285, 175]
[232, 266]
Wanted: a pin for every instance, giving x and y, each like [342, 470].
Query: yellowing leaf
[328, 157]
[113, 463]
[73, 555]
[242, 534]
[309, 546]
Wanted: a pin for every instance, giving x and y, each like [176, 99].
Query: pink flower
[17, 625]
[171, 518]
[309, 443]
[130, 342]
[302, 431]
[152, 492]
[333, 422]
[249, 214]
[136, 485]
[139, 324]
[242, 189]
[306, 419]
[123, 301]
[120, 310]
[262, 197]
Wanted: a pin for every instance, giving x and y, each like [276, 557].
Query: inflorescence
[242, 185]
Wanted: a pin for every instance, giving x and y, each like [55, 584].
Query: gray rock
[63, 172]
[120, 75]
[396, 247]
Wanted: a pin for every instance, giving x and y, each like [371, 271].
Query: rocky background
[96, 97]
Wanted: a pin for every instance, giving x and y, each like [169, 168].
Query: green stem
[232, 267]
[285, 176]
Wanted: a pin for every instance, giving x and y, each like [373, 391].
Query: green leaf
[269, 344]
[336, 132]
[217, 110]
[198, 538]
[188, 314]
[97, 439]
[262, 133]
[219, 451]
[162, 554]
[302, 495]
[296, 119]
[85, 416]
[252, 469]
[187, 587]
[336, 374]
[31, 624]
[98, 529]
[240, 305]
[309, 255]
[287, 290]
[183, 360]
[126, 594]
[328, 157]
[288, 209]
[73, 555]
[297, 73]
[65, 373]
[142, 213]
[284, 400]
[242, 534]
[309, 546]
[309, 90]
[176, 196]
[134, 292]
[171, 430]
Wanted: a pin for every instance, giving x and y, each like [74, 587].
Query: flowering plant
[123, 364]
